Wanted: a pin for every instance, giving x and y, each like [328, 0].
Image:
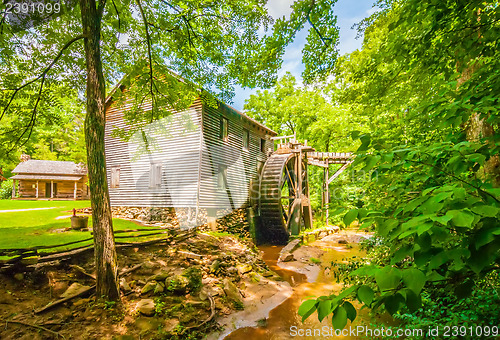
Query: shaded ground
[185, 283]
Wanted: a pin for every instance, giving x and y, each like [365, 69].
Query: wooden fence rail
[42, 254]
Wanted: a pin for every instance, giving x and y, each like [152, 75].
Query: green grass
[23, 229]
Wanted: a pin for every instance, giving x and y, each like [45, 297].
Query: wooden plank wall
[241, 164]
[65, 189]
[173, 142]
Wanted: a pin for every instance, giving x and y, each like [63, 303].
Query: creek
[283, 321]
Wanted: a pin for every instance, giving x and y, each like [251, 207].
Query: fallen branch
[131, 269]
[58, 302]
[34, 326]
[81, 270]
[212, 314]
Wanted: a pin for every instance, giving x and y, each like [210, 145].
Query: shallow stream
[283, 321]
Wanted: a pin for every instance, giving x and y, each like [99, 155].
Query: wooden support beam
[338, 172]
[36, 189]
[51, 189]
[74, 192]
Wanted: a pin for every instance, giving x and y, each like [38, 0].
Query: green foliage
[212, 46]
[422, 86]
[6, 189]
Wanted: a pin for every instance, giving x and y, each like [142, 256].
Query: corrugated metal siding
[241, 164]
[173, 142]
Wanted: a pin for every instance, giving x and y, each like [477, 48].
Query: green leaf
[368, 270]
[438, 260]
[441, 219]
[350, 310]
[350, 217]
[370, 162]
[484, 237]
[324, 308]
[414, 279]
[461, 218]
[388, 278]
[339, 319]
[306, 309]
[413, 301]
[365, 295]
[485, 210]
[476, 157]
[423, 228]
[393, 302]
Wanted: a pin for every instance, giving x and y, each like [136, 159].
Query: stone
[159, 288]
[244, 268]
[291, 247]
[287, 257]
[268, 273]
[232, 270]
[74, 289]
[342, 241]
[148, 287]
[146, 307]
[161, 276]
[124, 286]
[177, 284]
[170, 325]
[81, 302]
[19, 276]
[214, 266]
[232, 291]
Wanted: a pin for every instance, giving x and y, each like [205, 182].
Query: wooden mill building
[203, 157]
[39, 179]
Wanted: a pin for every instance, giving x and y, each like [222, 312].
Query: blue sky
[348, 13]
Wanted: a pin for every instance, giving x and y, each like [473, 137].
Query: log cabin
[206, 157]
[40, 179]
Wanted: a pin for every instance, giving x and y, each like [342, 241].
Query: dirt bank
[183, 290]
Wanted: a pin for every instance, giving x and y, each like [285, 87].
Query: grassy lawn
[22, 229]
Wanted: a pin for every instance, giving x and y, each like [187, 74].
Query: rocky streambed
[309, 272]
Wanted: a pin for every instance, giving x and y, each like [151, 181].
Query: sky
[348, 13]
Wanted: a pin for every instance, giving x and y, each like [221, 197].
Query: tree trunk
[104, 242]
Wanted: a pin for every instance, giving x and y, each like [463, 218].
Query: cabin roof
[41, 167]
[271, 132]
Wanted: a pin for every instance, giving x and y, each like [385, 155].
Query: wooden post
[13, 189]
[36, 189]
[74, 192]
[327, 194]
[51, 189]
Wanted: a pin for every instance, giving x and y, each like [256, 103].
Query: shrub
[6, 189]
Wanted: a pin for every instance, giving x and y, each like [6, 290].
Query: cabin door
[48, 190]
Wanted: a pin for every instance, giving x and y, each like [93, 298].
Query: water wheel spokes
[283, 186]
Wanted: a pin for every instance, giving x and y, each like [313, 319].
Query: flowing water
[283, 321]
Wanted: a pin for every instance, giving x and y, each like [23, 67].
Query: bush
[6, 189]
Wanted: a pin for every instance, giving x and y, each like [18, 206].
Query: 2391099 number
[478, 331]
[33, 7]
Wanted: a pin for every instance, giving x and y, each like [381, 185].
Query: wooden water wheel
[284, 196]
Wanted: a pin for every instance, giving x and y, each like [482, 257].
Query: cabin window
[263, 145]
[155, 176]
[115, 177]
[222, 177]
[223, 129]
[246, 139]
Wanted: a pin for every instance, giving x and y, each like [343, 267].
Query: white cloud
[279, 8]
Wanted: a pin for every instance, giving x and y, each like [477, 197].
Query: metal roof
[50, 167]
[48, 177]
[115, 88]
